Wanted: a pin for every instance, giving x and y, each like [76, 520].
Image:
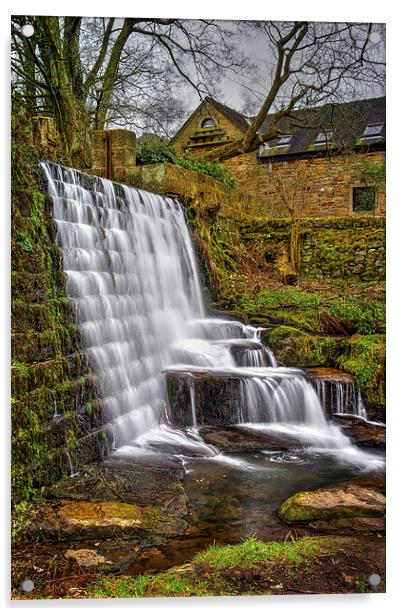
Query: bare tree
[88, 72]
[314, 63]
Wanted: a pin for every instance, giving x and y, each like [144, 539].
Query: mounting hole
[374, 579]
[27, 585]
[374, 37]
[27, 30]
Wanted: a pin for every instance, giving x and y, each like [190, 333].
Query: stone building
[328, 161]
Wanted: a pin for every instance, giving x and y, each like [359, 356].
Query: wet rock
[87, 559]
[121, 480]
[329, 374]
[336, 389]
[111, 555]
[234, 438]
[362, 433]
[60, 520]
[216, 398]
[195, 449]
[357, 505]
[350, 526]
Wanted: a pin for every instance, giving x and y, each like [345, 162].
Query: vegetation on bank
[209, 573]
[153, 152]
[336, 322]
[313, 565]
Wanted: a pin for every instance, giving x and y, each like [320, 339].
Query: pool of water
[232, 497]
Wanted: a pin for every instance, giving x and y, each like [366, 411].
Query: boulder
[61, 520]
[235, 438]
[356, 506]
[122, 480]
[363, 433]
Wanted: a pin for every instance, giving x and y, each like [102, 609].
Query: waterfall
[340, 398]
[131, 273]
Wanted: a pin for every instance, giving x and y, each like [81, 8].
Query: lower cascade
[132, 276]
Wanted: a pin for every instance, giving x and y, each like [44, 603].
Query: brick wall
[323, 186]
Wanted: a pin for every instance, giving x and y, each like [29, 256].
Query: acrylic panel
[198, 307]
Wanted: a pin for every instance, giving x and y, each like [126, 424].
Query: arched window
[208, 123]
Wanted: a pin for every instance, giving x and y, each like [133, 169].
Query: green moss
[209, 572]
[293, 347]
[252, 551]
[364, 357]
[159, 152]
[299, 508]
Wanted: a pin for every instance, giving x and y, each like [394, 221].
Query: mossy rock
[293, 347]
[364, 357]
[348, 500]
[127, 482]
[59, 520]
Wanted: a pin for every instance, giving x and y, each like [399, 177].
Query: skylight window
[373, 130]
[284, 140]
[324, 137]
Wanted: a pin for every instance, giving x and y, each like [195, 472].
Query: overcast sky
[237, 89]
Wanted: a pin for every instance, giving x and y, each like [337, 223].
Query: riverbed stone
[362, 433]
[61, 520]
[357, 505]
[235, 438]
[108, 555]
[126, 481]
[87, 559]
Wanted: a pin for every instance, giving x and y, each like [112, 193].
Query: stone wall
[113, 154]
[55, 412]
[190, 186]
[229, 131]
[348, 247]
[312, 187]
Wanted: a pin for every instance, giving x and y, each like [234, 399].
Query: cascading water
[131, 273]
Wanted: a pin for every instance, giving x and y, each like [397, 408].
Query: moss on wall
[364, 357]
[49, 372]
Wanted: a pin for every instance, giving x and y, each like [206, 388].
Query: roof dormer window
[284, 140]
[324, 137]
[208, 123]
[373, 130]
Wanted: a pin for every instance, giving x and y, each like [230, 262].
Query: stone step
[214, 394]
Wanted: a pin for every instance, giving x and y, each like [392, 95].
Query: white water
[131, 273]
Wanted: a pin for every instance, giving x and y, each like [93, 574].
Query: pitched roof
[343, 123]
[237, 118]
[234, 116]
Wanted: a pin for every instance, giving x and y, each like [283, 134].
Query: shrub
[150, 153]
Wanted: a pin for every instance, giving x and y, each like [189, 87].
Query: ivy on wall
[150, 153]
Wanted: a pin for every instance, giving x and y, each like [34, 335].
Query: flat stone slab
[124, 481]
[60, 520]
[109, 555]
[349, 505]
[239, 438]
[329, 375]
[363, 433]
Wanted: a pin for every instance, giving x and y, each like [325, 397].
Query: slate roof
[347, 121]
[237, 118]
